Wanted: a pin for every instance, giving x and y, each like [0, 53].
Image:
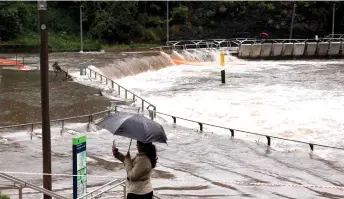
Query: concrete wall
[334, 48]
[311, 48]
[299, 49]
[322, 48]
[276, 49]
[291, 49]
[287, 49]
[256, 49]
[266, 50]
[244, 50]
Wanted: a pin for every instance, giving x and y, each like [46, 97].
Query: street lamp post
[292, 22]
[333, 16]
[81, 40]
[44, 69]
[167, 23]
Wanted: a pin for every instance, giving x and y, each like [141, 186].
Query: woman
[139, 170]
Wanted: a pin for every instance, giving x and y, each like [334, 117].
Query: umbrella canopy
[134, 126]
[264, 35]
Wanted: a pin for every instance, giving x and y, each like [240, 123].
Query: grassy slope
[58, 42]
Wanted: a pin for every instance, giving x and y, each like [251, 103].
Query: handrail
[111, 182]
[90, 116]
[134, 96]
[232, 130]
[236, 42]
[29, 185]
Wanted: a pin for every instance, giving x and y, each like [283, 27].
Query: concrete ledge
[287, 49]
[244, 50]
[255, 50]
[334, 48]
[311, 48]
[299, 49]
[266, 50]
[276, 49]
[322, 49]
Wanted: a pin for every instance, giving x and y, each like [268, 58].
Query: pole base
[223, 76]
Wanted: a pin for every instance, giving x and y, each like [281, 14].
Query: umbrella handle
[130, 145]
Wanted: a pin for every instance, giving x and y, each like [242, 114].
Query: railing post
[106, 81]
[134, 98]
[154, 108]
[20, 190]
[151, 114]
[101, 78]
[115, 108]
[31, 131]
[126, 93]
[119, 91]
[112, 84]
[200, 126]
[124, 192]
[232, 132]
[174, 119]
[143, 104]
[311, 146]
[62, 127]
[95, 75]
[269, 140]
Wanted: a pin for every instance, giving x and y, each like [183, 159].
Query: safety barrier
[119, 87]
[94, 194]
[21, 184]
[62, 120]
[232, 130]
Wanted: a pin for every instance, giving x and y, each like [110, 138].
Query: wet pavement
[192, 165]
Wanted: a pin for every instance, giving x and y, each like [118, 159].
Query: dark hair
[150, 151]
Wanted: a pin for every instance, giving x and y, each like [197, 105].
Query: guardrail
[21, 184]
[232, 130]
[119, 87]
[236, 42]
[62, 120]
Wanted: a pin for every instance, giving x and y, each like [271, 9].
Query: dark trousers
[135, 196]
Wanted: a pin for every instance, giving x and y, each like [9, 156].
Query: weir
[251, 48]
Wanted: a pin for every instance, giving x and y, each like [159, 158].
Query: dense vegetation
[3, 196]
[129, 22]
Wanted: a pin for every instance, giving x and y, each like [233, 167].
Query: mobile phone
[113, 144]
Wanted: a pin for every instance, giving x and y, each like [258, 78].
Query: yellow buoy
[222, 59]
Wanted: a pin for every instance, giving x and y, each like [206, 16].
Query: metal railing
[232, 130]
[119, 88]
[107, 187]
[233, 43]
[21, 184]
[94, 194]
[62, 120]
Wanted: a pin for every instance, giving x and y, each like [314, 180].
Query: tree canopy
[114, 22]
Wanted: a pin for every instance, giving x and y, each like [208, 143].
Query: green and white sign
[79, 166]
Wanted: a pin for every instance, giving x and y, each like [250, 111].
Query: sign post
[79, 166]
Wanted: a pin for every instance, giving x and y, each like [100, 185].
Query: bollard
[222, 59]
[223, 76]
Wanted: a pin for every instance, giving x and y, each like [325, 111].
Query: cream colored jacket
[139, 170]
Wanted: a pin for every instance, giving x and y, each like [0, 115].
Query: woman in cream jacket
[139, 170]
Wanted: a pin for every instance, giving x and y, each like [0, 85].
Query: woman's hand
[114, 151]
[128, 155]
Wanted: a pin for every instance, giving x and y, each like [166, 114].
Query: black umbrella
[134, 126]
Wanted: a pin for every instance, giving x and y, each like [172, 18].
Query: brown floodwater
[20, 98]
